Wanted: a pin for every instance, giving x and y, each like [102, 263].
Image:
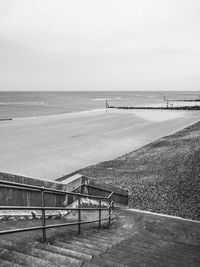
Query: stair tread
[91, 241]
[113, 233]
[5, 263]
[55, 258]
[63, 251]
[95, 247]
[107, 237]
[23, 259]
[108, 240]
[89, 264]
[89, 251]
[106, 262]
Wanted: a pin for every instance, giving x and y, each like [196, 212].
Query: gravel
[163, 176]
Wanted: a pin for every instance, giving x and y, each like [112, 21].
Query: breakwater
[6, 119]
[182, 100]
[158, 108]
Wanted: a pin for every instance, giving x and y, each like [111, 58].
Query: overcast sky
[99, 45]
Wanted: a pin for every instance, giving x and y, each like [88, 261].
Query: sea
[21, 104]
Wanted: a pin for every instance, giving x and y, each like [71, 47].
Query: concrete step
[77, 248]
[54, 257]
[115, 230]
[89, 264]
[82, 244]
[110, 241]
[117, 258]
[63, 251]
[106, 262]
[130, 250]
[23, 259]
[103, 231]
[106, 237]
[134, 260]
[40, 254]
[4, 263]
[92, 241]
[112, 235]
[101, 235]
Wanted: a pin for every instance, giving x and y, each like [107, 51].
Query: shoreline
[53, 116]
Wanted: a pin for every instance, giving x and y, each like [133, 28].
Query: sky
[99, 45]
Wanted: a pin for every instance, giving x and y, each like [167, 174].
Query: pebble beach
[162, 177]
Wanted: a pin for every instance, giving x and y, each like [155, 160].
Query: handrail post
[113, 205]
[109, 209]
[99, 213]
[79, 214]
[44, 239]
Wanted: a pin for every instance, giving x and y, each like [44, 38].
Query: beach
[52, 146]
[161, 177]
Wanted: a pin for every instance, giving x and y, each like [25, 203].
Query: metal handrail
[35, 228]
[106, 190]
[111, 194]
[98, 187]
[43, 208]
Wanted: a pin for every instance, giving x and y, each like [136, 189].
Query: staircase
[133, 239]
[66, 250]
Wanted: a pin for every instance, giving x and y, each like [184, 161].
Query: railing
[103, 189]
[43, 208]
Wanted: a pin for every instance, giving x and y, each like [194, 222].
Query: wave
[108, 98]
[60, 115]
[118, 98]
[21, 103]
[152, 96]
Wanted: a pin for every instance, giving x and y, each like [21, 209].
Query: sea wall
[92, 186]
[24, 197]
[76, 183]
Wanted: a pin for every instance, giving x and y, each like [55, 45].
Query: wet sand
[50, 147]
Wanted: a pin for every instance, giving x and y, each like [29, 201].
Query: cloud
[92, 44]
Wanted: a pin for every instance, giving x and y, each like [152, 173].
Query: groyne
[157, 108]
[6, 119]
[182, 100]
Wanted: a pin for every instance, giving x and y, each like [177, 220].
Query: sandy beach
[50, 147]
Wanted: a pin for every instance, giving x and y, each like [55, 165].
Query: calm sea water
[33, 104]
